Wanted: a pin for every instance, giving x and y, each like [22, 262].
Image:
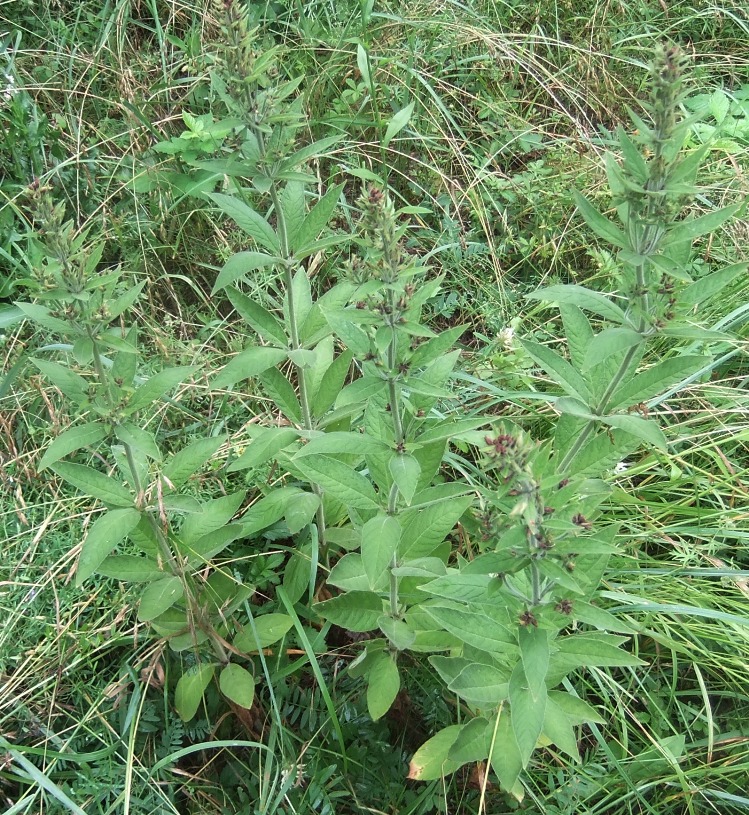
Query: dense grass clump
[372, 413]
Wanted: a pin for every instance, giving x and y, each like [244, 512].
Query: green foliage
[322, 515]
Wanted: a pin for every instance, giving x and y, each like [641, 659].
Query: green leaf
[41, 316]
[72, 386]
[647, 430]
[237, 685]
[270, 628]
[105, 533]
[263, 447]
[360, 391]
[383, 687]
[462, 587]
[268, 510]
[249, 363]
[129, 568]
[482, 685]
[609, 342]
[594, 650]
[423, 529]
[331, 384]
[160, 596]
[317, 218]
[292, 201]
[340, 443]
[379, 542]
[93, 483]
[710, 285]
[534, 652]
[348, 574]
[397, 123]
[138, 439]
[692, 228]
[147, 393]
[259, 318]
[354, 611]
[600, 224]
[282, 393]
[214, 514]
[248, 220]
[578, 331]
[473, 742]
[342, 482]
[576, 710]
[301, 512]
[406, 472]
[505, 759]
[472, 628]
[528, 713]
[240, 265]
[559, 370]
[73, 439]
[301, 294]
[435, 347]
[583, 298]
[189, 460]
[398, 632]
[654, 381]
[431, 759]
[309, 151]
[190, 688]
[558, 730]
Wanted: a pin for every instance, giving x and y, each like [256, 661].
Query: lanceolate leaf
[106, 532]
[559, 370]
[189, 460]
[583, 298]
[95, 484]
[481, 685]
[646, 430]
[599, 223]
[73, 439]
[383, 687]
[425, 528]
[264, 446]
[317, 218]
[248, 220]
[147, 393]
[73, 386]
[342, 482]
[534, 651]
[406, 471]
[710, 285]
[249, 363]
[609, 342]
[379, 542]
[257, 316]
[472, 628]
[528, 713]
[505, 759]
[397, 123]
[355, 611]
[694, 227]
[654, 381]
[129, 568]
[160, 596]
[558, 729]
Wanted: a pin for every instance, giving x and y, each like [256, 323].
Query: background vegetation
[481, 120]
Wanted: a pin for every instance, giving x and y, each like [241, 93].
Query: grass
[513, 104]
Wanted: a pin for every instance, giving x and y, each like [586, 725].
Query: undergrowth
[373, 423]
